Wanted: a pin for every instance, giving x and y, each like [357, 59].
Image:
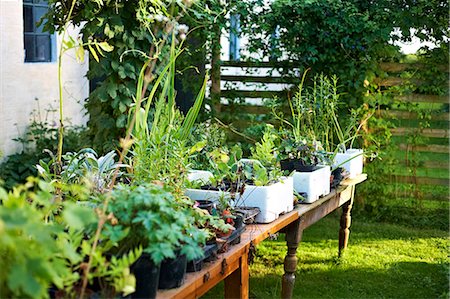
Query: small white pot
[351, 160]
[272, 200]
[315, 183]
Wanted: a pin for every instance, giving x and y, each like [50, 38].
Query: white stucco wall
[21, 83]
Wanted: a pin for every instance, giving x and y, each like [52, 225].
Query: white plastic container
[351, 160]
[272, 200]
[198, 194]
[200, 175]
[315, 183]
[212, 195]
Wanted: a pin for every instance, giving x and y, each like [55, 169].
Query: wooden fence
[241, 87]
[421, 132]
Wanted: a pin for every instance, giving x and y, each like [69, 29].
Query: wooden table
[232, 266]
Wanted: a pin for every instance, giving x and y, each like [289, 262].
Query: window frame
[36, 32]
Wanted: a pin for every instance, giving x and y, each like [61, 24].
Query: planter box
[315, 183]
[351, 160]
[272, 200]
[199, 194]
[200, 175]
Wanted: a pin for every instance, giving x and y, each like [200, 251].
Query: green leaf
[78, 216]
[94, 54]
[106, 47]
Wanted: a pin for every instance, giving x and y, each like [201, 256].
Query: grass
[382, 261]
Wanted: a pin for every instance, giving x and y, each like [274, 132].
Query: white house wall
[21, 83]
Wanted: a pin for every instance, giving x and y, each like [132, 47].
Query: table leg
[346, 220]
[236, 284]
[293, 237]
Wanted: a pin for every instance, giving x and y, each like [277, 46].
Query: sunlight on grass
[382, 261]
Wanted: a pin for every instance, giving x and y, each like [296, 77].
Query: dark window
[37, 44]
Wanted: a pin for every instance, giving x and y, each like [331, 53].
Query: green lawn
[382, 261]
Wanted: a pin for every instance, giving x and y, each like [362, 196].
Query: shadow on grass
[401, 280]
[328, 229]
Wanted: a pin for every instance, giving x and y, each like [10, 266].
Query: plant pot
[351, 160]
[313, 184]
[147, 277]
[287, 164]
[248, 213]
[300, 166]
[209, 253]
[271, 200]
[172, 272]
[207, 205]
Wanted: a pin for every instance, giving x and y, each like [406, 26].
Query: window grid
[37, 44]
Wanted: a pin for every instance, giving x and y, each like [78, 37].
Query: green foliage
[265, 150]
[160, 150]
[85, 167]
[44, 243]
[212, 137]
[139, 32]
[346, 38]
[39, 139]
[159, 222]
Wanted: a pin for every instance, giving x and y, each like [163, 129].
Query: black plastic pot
[238, 220]
[172, 272]
[209, 254]
[301, 166]
[206, 205]
[147, 277]
[287, 164]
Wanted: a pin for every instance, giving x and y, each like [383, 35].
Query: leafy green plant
[140, 32]
[160, 150]
[38, 251]
[37, 141]
[159, 223]
[85, 167]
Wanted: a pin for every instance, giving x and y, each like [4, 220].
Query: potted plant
[165, 229]
[160, 154]
[303, 136]
[307, 163]
[265, 187]
[44, 246]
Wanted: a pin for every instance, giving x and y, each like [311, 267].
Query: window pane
[39, 12]
[43, 48]
[28, 18]
[29, 47]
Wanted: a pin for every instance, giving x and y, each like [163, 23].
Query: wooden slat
[424, 196]
[399, 114]
[432, 133]
[260, 79]
[422, 98]
[251, 109]
[396, 81]
[420, 180]
[436, 164]
[252, 94]
[395, 67]
[427, 164]
[262, 64]
[433, 148]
